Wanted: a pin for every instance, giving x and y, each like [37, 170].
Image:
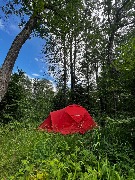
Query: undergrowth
[102, 154]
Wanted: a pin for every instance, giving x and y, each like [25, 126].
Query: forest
[90, 51]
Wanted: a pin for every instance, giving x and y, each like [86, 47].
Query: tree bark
[88, 69]
[7, 67]
[65, 71]
[71, 64]
[71, 68]
[74, 62]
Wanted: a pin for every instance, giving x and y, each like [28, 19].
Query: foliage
[49, 14]
[81, 49]
[12, 104]
[80, 96]
[99, 154]
[26, 98]
[59, 101]
[89, 57]
[82, 40]
[124, 65]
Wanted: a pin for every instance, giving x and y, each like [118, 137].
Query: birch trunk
[65, 71]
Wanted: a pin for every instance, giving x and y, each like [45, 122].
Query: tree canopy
[87, 47]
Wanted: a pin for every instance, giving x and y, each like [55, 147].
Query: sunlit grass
[104, 153]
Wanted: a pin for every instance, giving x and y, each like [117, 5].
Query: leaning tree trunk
[7, 67]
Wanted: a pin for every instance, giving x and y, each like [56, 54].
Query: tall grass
[104, 153]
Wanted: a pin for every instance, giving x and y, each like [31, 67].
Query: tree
[42, 98]
[40, 15]
[6, 69]
[14, 104]
[63, 49]
[116, 22]
[125, 65]
[29, 99]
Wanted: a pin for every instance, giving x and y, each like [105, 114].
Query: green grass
[105, 153]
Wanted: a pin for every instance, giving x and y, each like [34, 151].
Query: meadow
[106, 153]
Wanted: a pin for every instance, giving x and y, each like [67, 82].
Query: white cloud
[1, 25]
[27, 75]
[34, 74]
[39, 60]
[14, 28]
[36, 59]
[42, 60]
[41, 71]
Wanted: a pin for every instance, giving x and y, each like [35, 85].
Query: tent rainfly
[71, 119]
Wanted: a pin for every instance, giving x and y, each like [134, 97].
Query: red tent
[69, 120]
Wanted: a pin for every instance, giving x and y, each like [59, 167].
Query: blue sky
[30, 59]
